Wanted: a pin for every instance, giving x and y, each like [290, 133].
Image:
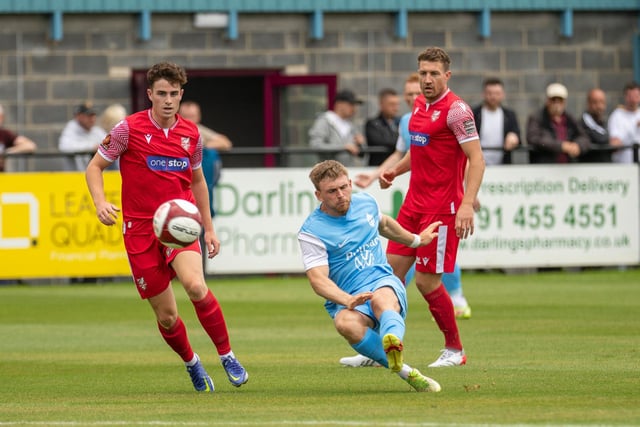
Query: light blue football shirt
[350, 244]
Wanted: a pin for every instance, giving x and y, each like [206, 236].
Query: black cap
[348, 96]
[85, 108]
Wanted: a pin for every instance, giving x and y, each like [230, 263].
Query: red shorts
[149, 261]
[437, 257]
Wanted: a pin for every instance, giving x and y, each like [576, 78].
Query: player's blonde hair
[329, 169]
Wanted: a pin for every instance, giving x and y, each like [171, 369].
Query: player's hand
[429, 233]
[358, 299]
[107, 213]
[386, 178]
[212, 242]
[363, 180]
[464, 221]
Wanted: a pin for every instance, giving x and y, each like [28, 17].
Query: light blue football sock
[453, 281]
[371, 346]
[410, 274]
[391, 322]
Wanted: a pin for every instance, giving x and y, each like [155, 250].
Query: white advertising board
[531, 216]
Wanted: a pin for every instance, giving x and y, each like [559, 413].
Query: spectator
[501, 129]
[382, 130]
[212, 143]
[334, 130]
[11, 142]
[594, 123]
[624, 124]
[81, 135]
[553, 133]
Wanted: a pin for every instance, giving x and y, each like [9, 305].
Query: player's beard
[342, 207]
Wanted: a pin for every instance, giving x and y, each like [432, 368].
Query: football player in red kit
[443, 140]
[160, 157]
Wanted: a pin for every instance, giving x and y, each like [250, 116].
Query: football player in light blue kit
[346, 264]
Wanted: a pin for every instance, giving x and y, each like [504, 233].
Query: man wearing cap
[335, 132]
[81, 135]
[554, 134]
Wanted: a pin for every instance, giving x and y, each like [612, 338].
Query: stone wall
[41, 81]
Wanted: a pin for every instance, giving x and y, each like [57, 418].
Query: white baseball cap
[557, 90]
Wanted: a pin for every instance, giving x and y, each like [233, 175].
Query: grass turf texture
[550, 348]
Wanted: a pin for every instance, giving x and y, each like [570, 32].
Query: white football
[177, 223]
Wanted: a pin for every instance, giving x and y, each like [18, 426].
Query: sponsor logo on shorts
[168, 164]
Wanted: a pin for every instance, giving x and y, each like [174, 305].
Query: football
[177, 223]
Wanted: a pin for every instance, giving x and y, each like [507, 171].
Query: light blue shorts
[390, 281]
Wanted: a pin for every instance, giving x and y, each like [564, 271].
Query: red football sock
[177, 339]
[442, 310]
[210, 315]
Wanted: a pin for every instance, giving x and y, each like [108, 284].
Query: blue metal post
[316, 29]
[485, 23]
[232, 28]
[144, 30]
[567, 23]
[56, 26]
[402, 23]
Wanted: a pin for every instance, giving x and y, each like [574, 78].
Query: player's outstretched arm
[392, 230]
[364, 180]
[329, 290]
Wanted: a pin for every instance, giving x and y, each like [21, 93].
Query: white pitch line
[279, 423]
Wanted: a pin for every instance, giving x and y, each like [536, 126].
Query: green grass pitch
[553, 349]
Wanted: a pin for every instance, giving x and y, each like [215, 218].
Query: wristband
[416, 241]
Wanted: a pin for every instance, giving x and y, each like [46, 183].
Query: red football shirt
[437, 160]
[156, 164]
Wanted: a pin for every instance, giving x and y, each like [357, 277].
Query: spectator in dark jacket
[497, 125]
[382, 130]
[554, 134]
[594, 123]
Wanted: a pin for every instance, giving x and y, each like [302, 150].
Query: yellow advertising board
[49, 228]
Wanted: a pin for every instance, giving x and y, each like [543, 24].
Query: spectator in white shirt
[81, 135]
[624, 124]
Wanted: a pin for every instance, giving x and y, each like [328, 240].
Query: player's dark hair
[435, 54]
[173, 73]
[329, 169]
